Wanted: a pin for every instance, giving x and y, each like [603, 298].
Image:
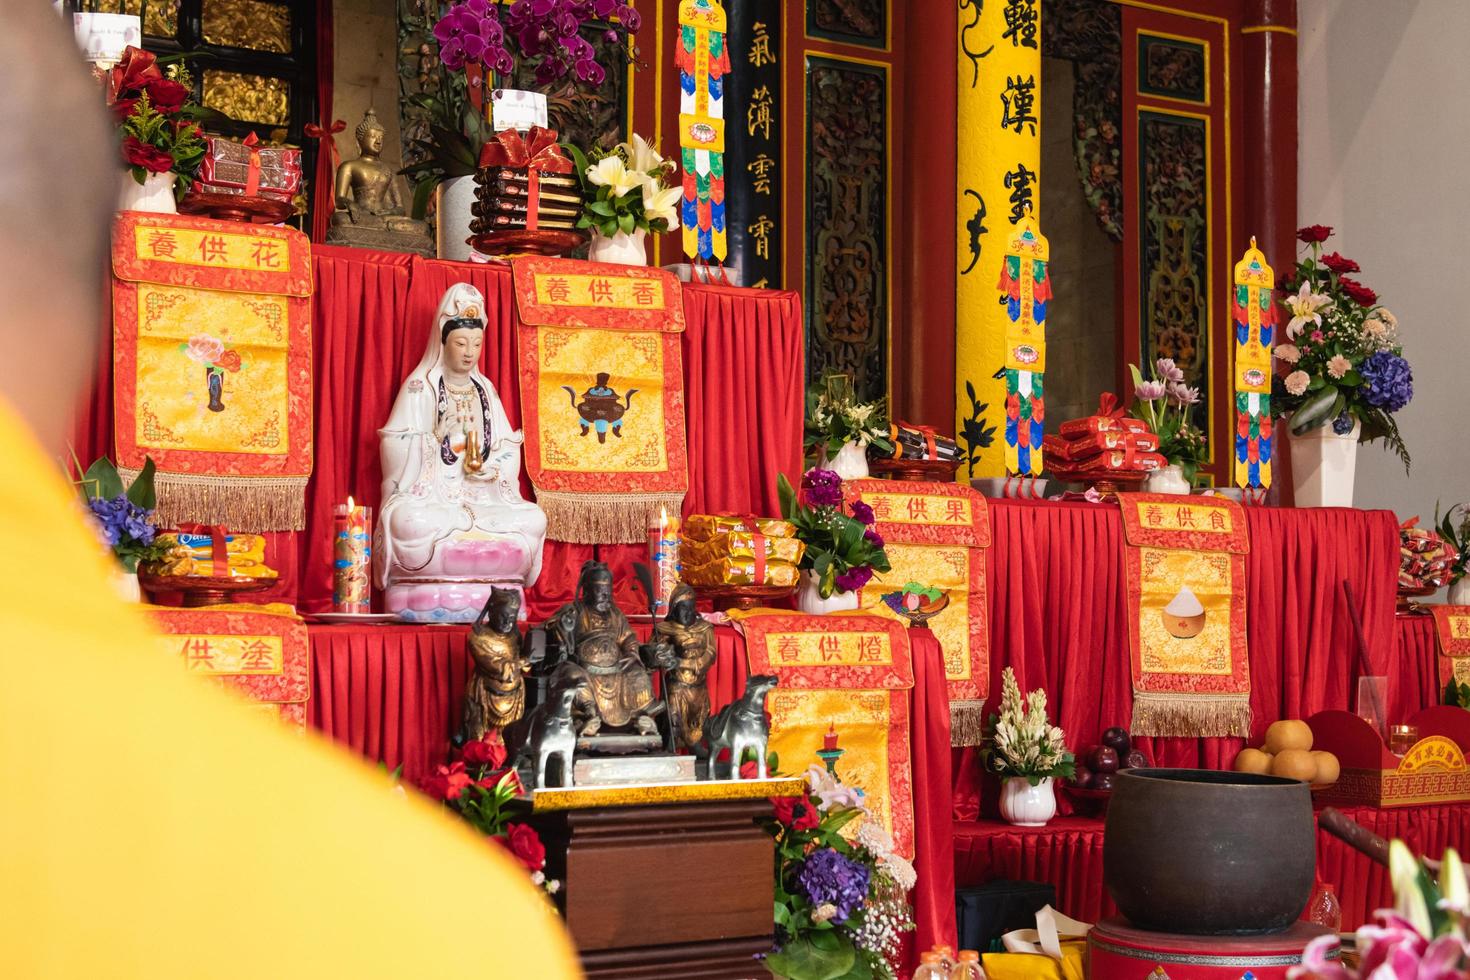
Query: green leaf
[104, 477]
[600, 207]
[786, 495]
[422, 191]
[1132, 369]
[142, 492]
[626, 223]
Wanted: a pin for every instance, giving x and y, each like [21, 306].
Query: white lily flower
[610, 171]
[1452, 884]
[642, 157]
[660, 201]
[1306, 307]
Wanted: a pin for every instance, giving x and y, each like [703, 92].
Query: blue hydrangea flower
[829, 878]
[1343, 424]
[121, 519]
[1388, 382]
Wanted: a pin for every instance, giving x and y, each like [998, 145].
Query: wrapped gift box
[234, 167]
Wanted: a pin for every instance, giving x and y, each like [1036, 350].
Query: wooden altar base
[652, 891]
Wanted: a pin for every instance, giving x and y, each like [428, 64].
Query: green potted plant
[1027, 752]
[625, 195]
[841, 428]
[124, 517]
[1455, 528]
[1166, 403]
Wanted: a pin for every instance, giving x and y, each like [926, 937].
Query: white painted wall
[1385, 159]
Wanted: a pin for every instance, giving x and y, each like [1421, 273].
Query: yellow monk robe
[152, 827]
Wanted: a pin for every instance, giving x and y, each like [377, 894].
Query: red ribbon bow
[1108, 407]
[252, 177]
[536, 152]
[313, 131]
[927, 431]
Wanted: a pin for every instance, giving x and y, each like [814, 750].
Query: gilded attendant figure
[496, 694]
[684, 645]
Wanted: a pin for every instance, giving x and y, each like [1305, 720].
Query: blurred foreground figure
[150, 826]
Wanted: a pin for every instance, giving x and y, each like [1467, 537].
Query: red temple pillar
[1269, 41]
[923, 368]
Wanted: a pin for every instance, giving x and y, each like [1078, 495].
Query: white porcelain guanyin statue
[453, 522]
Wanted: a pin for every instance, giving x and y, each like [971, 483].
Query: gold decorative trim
[592, 797]
[1269, 29]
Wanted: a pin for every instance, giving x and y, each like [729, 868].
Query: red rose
[524, 845]
[488, 750]
[446, 782]
[1358, 292]
[123, 108]
[167, 95]
[749, 770]
[229, 360]
[144, 155]
[132, 73]
[1312, 234]
[798, 814]
[1339, 265]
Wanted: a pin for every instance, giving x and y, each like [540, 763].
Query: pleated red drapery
[743, 362]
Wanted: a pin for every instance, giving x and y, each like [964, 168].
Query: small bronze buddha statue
[369, 211]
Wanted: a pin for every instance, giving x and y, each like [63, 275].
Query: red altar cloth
[743, 355]
[1068, 853]
[394, 694]
[1058, 615]
[1418, 662]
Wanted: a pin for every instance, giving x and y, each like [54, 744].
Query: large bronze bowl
[1209, 853]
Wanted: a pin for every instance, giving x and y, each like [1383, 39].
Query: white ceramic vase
[155, 194]
[1170, 479]
[621, 249]
[1322, 466]
[454, 199]
[850, 463]
[809, 598]
[1459, 594]
[128, 587]
[1025, 805]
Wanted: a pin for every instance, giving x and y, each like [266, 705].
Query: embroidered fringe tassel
[596, 518]
[1191, 715]
[247, 504]
[966, 723]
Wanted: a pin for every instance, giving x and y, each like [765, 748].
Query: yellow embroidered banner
[261, 652]
[212, 367]
[1452, 633]
[936, 536]
[997, 178]
[602, 396]
[847, 689]
[1185, 562]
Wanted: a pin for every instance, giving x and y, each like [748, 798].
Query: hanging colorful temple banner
[754, 166]
[1185, 562]
[211, 329]
[852, 673]
[260, 652]
[998, 162]
[1254, 314]
[602, 396]
[703, 64]
[1025, 289]
[936, 536]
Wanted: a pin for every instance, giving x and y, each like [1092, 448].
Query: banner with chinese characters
[258, 651]
[212, 367]
[936, 536]
[1025, 288]
[602, 396]
[1185, 562]
[851, 673]
[998, 166]
[754, 172]
[1452, 631]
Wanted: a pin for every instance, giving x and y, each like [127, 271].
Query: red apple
[1082, 778]
[1104, 760]
[1103, 781]
[1117, 739]
[1136, 760]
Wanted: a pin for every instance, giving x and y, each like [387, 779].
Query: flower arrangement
[158, 122]
[835, 417]
[841, 904]
[124, 514]
[626, 189]
[843, 550]
[1166, 403]
[1456, 530]
[482, 789]
[1020, 742]
[479, 38]
[1341, 350]
[1424, 936]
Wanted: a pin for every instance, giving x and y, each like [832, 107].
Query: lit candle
[663, 554]
[829, 740]
[352, 536]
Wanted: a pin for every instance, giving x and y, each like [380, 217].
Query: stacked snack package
[194, 554]
[525, 182]
[1104, 446]
[236, 167]
[917, 442]
[1425, 559]
[723, 549]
